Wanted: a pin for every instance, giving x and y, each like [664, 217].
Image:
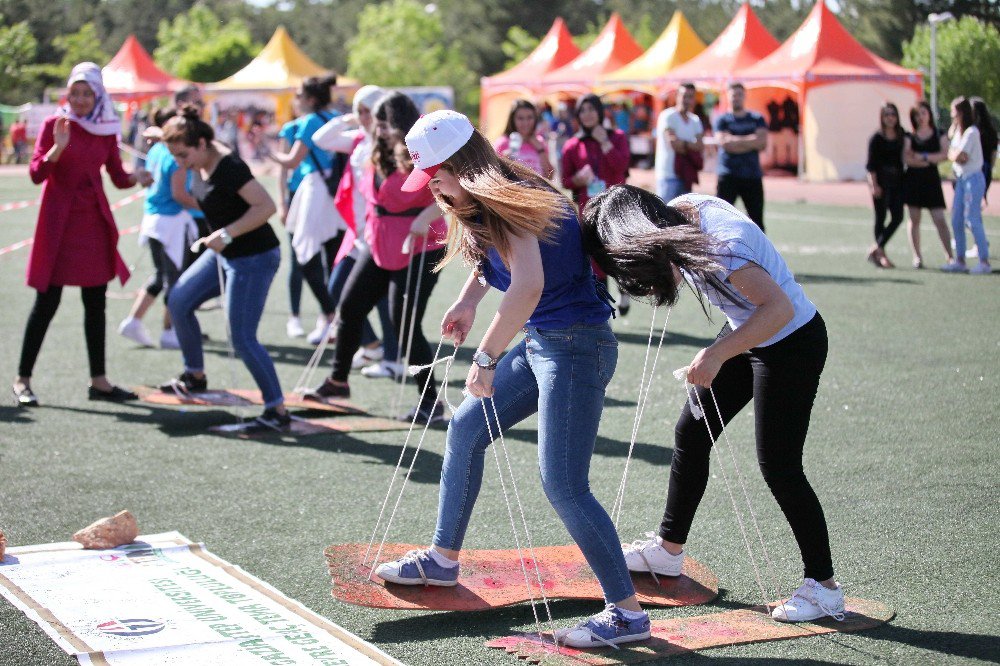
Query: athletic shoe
[328, 390]
[25, 397]
[609, 627]
[647, 555]
[918, 264]
[418, 567]
[383, 369]
[185, 383]
[133, 329]
[365, 356]
[116, 394]
[323, 327]
[168, 339]
[981, 269]
[271, 419]
[425, 416]
[624, 304]
[954, 267]
[293, 328]
[811, 602]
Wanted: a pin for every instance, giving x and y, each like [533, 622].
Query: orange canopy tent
[839, 86]
[677, 44]
[741, 44]
[500, 90]
[133, 76]
[613, 48]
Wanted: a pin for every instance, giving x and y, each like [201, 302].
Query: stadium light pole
[934, 20]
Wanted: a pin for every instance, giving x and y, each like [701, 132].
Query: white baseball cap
[432, 140]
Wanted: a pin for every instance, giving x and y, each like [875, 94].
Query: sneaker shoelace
[640, 545]
[414, 557]
[806, 594]
[606, 616]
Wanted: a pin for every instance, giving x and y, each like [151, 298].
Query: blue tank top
[159, 197]
[570, 295]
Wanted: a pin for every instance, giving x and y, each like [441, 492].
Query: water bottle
[515, 144]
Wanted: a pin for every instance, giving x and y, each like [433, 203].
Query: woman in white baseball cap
[523, 238]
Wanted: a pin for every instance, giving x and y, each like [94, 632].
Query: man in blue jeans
[678, 131]
[741, 135]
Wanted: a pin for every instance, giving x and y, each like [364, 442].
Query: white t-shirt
[686, 130]
[968, 142]
[741, 242]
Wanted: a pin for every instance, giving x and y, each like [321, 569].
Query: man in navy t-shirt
[741, 135]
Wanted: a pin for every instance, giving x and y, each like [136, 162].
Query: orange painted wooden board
[690, 634]
[493, 578]
[304, 427]
[238, 398]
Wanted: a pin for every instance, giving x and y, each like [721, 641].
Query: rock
[116, 530]
[3, 544]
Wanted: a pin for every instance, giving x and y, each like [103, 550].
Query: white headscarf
[102, 121]
[367, 96]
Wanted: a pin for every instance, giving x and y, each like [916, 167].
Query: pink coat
[76, 238]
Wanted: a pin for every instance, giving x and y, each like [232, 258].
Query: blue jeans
[966, 210]
[338, 278]
[671, 188]
[561, 374]
[247, 282]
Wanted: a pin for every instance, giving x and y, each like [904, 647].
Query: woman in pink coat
[76, 239]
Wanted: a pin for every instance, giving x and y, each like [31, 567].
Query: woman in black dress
[922, 151]
[885, 177]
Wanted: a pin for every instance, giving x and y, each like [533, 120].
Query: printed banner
[165, 600]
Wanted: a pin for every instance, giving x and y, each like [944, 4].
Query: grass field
[902, 451]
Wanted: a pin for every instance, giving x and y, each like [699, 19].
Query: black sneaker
[271, 419]
[186, 383]
[425, 415]
[116, 394]
[328, 390]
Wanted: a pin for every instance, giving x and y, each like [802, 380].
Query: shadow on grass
[196, 422]
[15, 414]
[952, 643]
[611, 448]
[814, 278]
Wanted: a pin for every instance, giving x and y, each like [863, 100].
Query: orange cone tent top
[839, 87]
[613, 48]
[522, 81]
[677, 44]
[132, 74]
[744, 42]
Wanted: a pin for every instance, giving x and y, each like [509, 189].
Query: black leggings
[750, 190]
[316, 272]
[890, 202]
[46, 304]
[165, 273]
[365, 287]
[782, 380]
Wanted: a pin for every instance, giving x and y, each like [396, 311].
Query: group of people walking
[903, 172]
[400, 174]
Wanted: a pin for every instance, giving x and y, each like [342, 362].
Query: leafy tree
[966, 50]
[80, 46]
[17, 51]
[199, 42]
[398, 43]
[518, 45]
[225, 55]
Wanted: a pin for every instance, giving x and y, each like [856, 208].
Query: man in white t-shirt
[678, 130]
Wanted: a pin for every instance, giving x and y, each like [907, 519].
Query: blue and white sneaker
[418, 567]
[611, 627]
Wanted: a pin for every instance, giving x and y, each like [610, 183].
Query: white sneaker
[383, 369]
[168, 339]
[133, 329]
[293, 328]
[647, 555]
[981, 269]
[954, 267]
[323, 328]
[365, 356]
[811, 602]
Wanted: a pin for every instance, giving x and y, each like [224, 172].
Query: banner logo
[131, 627]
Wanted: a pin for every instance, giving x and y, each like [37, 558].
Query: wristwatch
[225, 237]
[484, 360]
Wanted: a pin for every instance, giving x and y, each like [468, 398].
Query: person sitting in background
[522, 142]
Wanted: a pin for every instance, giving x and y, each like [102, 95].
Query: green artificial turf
[902, 452]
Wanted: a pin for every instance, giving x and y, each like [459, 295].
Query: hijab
[102, 120]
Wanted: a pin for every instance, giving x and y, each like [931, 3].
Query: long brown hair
[889, 106]
[915, 116]
[635, 238]
[400, 113]
[508, 199]
[964, 108]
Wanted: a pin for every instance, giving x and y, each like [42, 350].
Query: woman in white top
[771, 351]
[966, 154]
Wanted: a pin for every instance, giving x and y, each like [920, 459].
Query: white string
[231, 362]
[513, 525]
[409, 311]
[416, 369]
[395, 473]
[303, 383]
[640, 408]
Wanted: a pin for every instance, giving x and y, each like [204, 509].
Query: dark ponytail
[188, 128]
[318, 89]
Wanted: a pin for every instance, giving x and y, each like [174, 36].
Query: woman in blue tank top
[524, 239]
[772, 350]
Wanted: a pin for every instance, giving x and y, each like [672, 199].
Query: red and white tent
[133, 76]
[613, 48]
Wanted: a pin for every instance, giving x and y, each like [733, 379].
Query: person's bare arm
[178, 189]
